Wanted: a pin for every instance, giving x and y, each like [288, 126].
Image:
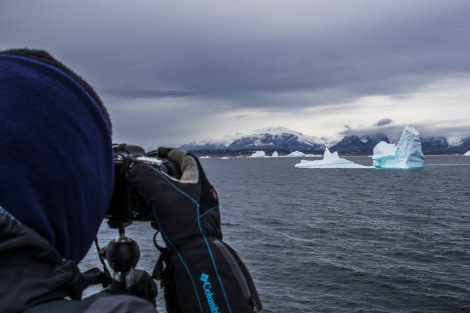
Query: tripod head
[122, 255]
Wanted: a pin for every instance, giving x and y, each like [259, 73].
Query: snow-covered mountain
[281, 138]
[441, 144]
[269, 138]
[356, 144]
[365, 144]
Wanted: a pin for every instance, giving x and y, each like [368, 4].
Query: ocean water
[342, 240]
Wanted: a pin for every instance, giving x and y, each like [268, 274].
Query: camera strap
[164, 272]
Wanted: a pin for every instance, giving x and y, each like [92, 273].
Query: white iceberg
[298, 154]
[467, 153]
[258, 154]
[330, 160]
[313, 155]
[406, 154]
[295, 154]
[275, 154]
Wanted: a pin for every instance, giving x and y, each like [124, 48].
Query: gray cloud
[218, 57]
[383, 122]
[146, 94]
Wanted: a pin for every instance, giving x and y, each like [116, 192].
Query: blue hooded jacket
[56, 158]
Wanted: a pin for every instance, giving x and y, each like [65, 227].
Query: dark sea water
[342, 240]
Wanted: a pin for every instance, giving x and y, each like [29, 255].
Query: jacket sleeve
[99, 303]
[121, 304]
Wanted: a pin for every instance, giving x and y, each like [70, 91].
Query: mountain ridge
[284, 141]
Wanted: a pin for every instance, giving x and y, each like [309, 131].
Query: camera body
[126, 203]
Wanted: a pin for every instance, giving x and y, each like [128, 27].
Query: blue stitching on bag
[208, 211]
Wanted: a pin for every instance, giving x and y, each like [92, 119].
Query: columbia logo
[204, 277]
[207, 287]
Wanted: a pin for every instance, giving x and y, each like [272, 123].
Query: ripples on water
[345, 240]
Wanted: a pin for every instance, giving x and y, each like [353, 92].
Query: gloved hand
[208, 276]
[184, 207]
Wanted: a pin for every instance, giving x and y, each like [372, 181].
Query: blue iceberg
[406, 154]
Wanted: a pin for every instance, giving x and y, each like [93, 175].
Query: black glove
[208, 275]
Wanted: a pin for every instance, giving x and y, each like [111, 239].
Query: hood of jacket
[32, 271]
[56, 160]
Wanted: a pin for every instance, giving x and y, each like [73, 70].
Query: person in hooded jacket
[57, 172]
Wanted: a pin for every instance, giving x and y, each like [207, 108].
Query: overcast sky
[173, 72]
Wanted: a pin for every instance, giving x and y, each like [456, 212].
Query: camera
[126, 206]
[126, 203]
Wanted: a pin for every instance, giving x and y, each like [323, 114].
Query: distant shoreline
[281, 152]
